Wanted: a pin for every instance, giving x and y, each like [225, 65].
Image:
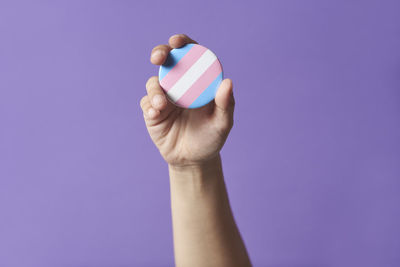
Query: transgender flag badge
[191, 76]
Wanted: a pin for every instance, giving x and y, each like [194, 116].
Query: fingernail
[158, 100]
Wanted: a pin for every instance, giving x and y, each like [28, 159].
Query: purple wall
[312, 164]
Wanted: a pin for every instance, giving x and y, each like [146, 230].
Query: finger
[224, 96]
[158, 100]
[157, 97]
[179, 40]
[159, 54]
[225, 103]
[149, 112]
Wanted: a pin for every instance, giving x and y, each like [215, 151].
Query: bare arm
[205, 233]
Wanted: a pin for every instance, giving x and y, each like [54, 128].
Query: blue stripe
[173, 57]
[208, 94]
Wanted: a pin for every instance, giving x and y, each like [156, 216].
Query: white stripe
[192, 75]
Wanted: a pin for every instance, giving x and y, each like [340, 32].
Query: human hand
[186, 137]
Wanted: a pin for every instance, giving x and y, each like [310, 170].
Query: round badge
[191, 76]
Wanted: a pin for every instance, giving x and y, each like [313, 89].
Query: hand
[186, 137]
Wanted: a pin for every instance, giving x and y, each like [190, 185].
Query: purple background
[312, 165]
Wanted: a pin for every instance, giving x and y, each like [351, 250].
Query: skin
[190, 140]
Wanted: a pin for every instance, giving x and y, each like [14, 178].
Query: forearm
[205, 233]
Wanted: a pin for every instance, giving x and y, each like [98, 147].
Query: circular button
[191, 76]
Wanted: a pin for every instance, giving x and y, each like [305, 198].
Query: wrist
[195, 181]
[198, 168]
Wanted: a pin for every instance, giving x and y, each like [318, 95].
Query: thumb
[224, 101]
[224, 96]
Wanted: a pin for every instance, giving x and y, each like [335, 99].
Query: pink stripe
[182, 66]
[200, 85]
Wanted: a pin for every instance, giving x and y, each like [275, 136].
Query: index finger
[179, 40]
[160, 53]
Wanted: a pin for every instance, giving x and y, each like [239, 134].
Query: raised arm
[205, 233]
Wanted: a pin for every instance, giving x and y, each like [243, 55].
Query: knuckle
[174, 36]
[225, 125]
[231, 123]
[158, 47]
[143, 101]
[228, 124]
[150, 82]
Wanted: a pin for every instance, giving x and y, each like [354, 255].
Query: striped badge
[191, 76]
